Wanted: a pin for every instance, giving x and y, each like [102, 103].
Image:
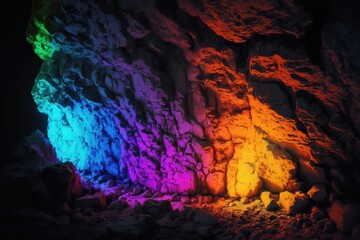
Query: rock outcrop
[212, 97]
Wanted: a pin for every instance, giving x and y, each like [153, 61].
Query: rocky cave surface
[191, 119]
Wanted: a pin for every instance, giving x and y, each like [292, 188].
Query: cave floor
[219, 219]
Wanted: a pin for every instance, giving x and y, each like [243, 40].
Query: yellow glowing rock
[293, 203]
[276, 167]
[216, 183]
[248, 182]
[231, 172]
[269, 203]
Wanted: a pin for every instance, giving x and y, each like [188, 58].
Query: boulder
[317, 193]
[293, 202]
[269, 203]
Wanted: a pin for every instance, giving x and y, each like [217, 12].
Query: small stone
[185, 200]
[137, 190]
[244, 200]
[293, 203]
[269, 203]
[317, 193]
[158, 195]
[148, 193]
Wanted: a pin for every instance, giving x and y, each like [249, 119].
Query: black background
[19, 67]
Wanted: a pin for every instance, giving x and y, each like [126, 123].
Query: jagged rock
[269, 203]
[318, 193]
[345, 215]
[134, 90]
[293, 203]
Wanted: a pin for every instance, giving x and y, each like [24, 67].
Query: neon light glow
[144, 98]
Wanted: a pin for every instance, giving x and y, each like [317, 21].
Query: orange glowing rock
[248, 182]
[318, 193]
[216, 183]
[275, 167]
[261, 160]
[279, 129]
[269, 203]
[293, 203]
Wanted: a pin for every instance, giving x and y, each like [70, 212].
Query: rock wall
[219, 97]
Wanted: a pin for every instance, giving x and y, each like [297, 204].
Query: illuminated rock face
[199, 96]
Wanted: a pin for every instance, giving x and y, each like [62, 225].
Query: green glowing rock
[41, 41]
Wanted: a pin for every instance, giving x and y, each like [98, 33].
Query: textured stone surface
[269, 203]
[209, 97]
[293, 202]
